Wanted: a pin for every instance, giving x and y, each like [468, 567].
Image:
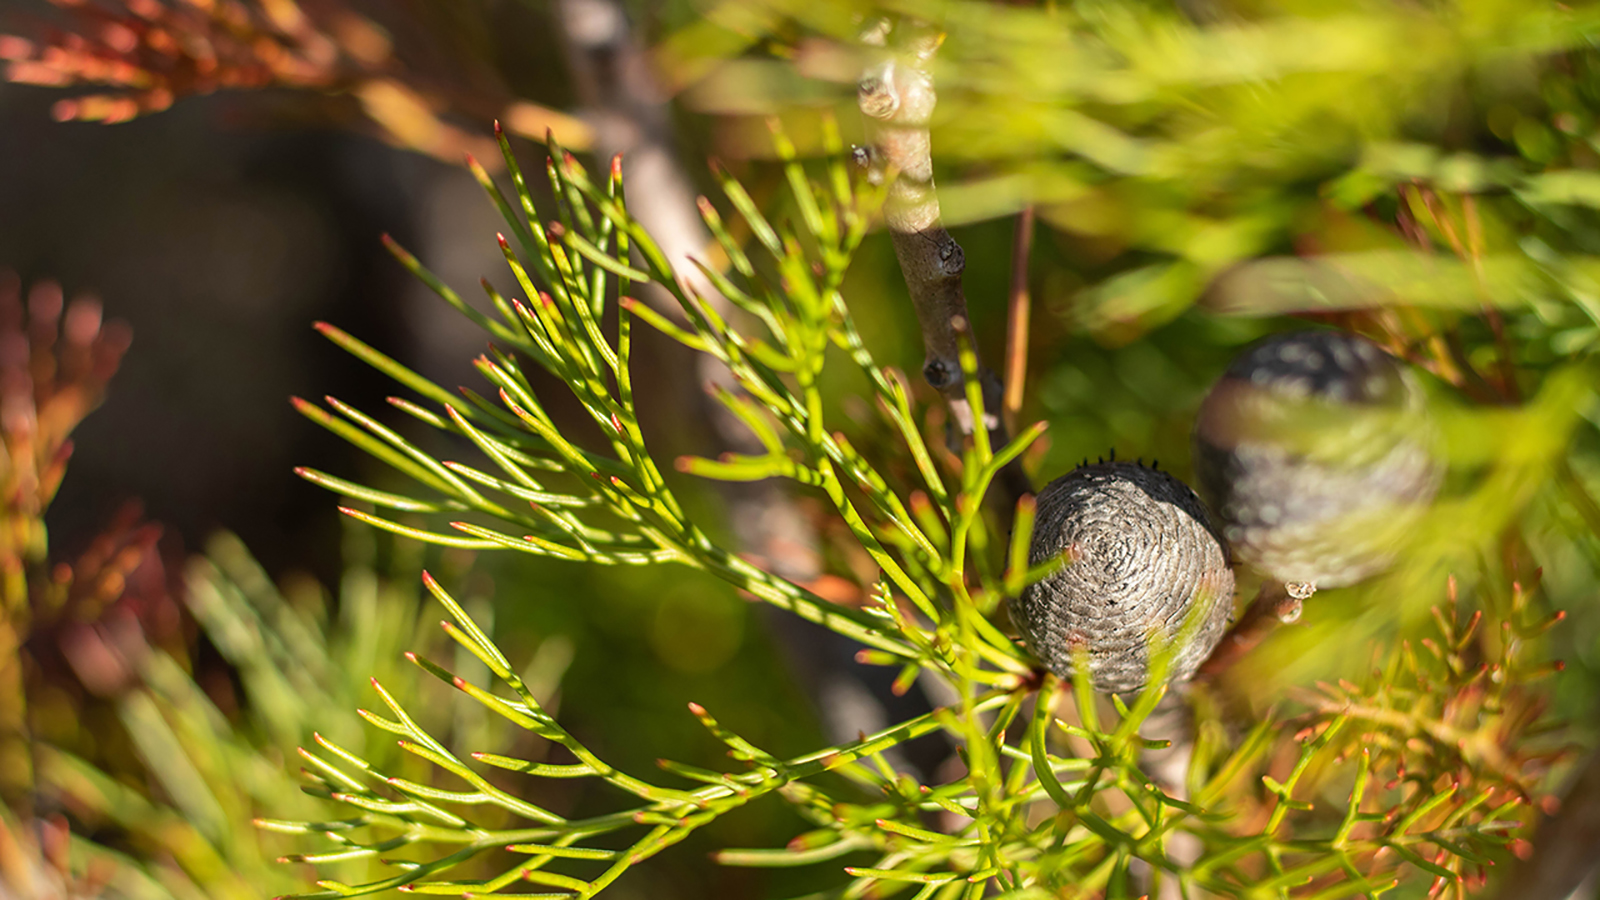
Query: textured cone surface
[1313, 450]
[1144, 568]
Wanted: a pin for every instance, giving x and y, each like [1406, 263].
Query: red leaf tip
[696, 708]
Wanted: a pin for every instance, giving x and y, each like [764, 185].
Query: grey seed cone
[1144, 566]
[1313, 449]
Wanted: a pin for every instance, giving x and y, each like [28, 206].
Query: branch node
[952, 259]
[876, 94]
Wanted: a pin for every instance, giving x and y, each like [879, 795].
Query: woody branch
[897, 99]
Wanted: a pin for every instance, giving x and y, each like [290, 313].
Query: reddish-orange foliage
[143, 54]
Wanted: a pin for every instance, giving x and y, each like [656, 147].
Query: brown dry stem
[1273, 605]
[1018, 309]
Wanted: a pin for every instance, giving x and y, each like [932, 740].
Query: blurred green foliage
[1425, 173]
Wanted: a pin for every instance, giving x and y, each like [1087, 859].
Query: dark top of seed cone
[1335, 365]
[1143, 563]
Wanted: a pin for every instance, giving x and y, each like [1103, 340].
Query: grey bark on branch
[897, 99]
[623, 103]
[622, 100]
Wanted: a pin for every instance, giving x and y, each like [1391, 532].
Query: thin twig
[624, 103]
[896, 95]
[897, 99]
[625, 106]
[1272, 606]
[1439, 362]
[1497, 325]
[1018, 309]
[1471, 252]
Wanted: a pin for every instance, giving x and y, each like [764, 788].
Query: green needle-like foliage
[1424, 174]
[1053, 800]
